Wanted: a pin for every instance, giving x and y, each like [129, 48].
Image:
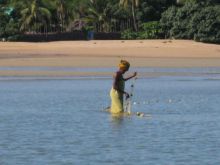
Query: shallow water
[203, 70]
[60, 121]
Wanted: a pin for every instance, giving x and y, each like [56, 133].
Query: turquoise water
[60, 121]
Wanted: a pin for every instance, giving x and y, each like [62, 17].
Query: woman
[117, 90]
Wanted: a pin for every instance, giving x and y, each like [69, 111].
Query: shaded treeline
[133, 18]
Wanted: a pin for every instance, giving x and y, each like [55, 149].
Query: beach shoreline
[102, 54]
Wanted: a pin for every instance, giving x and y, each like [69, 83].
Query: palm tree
[133, 4]
[66, 11]
[34, 15]
[98, 15]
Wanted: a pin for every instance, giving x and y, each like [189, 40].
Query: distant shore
[96, 53]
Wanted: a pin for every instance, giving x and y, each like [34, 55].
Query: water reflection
[117, 120]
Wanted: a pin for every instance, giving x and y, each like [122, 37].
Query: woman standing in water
[117, 92]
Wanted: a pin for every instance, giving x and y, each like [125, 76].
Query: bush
[181, 25]
[207, 23]
[192, 21]
[129, 34]
[167, 20]
[150, 30]
[175, 22]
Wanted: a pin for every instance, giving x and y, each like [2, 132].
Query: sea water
[61, 122]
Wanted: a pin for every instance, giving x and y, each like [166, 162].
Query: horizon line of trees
[134, 19]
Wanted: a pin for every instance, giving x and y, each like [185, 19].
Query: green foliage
[207, 24]
[3, 23]
[8, 27]
[104, 15]
[204, 2]
[150, 30]
[192, 21]
[181, 25]
[11, 28]
[64, 11]
[181, 19]
[34, 15]
[97, 15]
[167, 21]
[151, 10]
[129, 34]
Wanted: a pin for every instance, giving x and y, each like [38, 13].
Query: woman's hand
[126, 95]
[135, 74]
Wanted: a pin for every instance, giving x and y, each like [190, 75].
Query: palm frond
[45, 12]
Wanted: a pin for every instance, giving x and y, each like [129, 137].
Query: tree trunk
[134, 17]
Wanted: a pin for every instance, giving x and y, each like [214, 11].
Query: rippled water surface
[59, 122]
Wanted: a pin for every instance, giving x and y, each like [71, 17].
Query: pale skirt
[116, 101]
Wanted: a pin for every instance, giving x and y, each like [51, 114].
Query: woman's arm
[115, 84]
[128, 78]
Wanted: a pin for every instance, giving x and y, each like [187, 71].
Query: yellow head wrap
[124, 65]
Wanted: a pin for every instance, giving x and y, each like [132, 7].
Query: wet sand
[83, 54]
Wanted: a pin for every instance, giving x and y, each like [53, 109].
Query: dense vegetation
[134, 19]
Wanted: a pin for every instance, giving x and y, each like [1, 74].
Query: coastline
[104, 54]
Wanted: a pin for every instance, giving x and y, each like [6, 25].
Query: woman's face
[125, 70]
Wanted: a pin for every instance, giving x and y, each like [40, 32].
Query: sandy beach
[87, 54]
